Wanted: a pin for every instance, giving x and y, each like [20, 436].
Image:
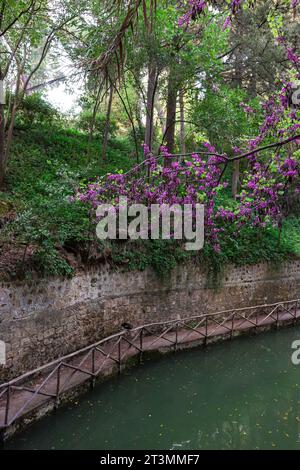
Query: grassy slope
[46, 166]
[44, 232]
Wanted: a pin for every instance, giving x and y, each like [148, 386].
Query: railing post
[57, 387]
[141, 346]
[93, 379]
[176, 336]
[7, 406]
[206, 330]
[119, 354]
[232, 325]
[93, 361]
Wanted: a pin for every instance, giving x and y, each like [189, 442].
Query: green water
[234, 395]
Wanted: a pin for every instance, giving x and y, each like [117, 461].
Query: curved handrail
[141, 343]
[136, 329]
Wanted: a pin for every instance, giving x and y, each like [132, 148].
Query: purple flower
[292, 56]
[227, 23]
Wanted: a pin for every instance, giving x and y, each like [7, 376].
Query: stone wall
[43, 320]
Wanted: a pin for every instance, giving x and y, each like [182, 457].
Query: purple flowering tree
[271, 182]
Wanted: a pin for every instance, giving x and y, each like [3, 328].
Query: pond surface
[243, 394]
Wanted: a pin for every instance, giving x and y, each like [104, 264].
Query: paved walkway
[22, 402]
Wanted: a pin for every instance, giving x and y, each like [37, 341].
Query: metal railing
[51, 381]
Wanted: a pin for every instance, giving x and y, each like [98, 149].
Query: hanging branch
[116, 44]
[128, 22]
[129, 117]
[95, 110]
[107, 123]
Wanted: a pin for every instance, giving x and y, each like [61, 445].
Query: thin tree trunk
[160, 113]
[238, 64]
[235, 178]
[152, 80]
[171, 114]
[10, 133]
[2, 137]
[182, 123]
[95, 110]
[127, 111]
[107, 124]
[253, 83]
[138, 114]
[2, 145]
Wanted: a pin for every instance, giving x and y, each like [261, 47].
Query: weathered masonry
[45, 319]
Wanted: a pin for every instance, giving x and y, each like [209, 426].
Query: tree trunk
[2, 145]
[92, 128]
[235, 178]
[237, 81]
[253, 83]
[171, 113]
[19, 95]
[138, 115]
[10, 132]
[182, 123]
[151, 88]
[107, 124]
[2, 136]
[161, 114]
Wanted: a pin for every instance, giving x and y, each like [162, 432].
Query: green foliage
[160, 255]
[224, 120]
[48, 262]
[256, 245]
[291, 234]
[87, 122]
[165, 255]
[34, 111]
[251, 246]
[46, 167]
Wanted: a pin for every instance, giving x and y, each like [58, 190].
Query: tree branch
[266, 147]
[22, 13]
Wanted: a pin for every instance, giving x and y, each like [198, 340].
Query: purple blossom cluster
[248, 109]
[265, 188]
[194, 8]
